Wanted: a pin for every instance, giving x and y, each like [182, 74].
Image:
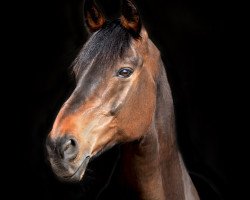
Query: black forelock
[103, 48]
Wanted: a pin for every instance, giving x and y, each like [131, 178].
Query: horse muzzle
[62, 154]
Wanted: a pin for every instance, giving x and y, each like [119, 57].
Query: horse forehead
[144, 46]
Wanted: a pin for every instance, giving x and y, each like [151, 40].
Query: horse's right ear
[94, 18]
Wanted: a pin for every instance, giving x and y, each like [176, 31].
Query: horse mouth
[79, 173]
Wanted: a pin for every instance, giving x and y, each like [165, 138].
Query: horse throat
[153, 167]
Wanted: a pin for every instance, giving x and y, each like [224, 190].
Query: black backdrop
[198, 52]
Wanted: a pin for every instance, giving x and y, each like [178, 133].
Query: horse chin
[77, 175]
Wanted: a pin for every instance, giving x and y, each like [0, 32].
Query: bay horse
[122, 97]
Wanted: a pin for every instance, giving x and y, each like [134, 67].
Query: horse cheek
[136, 117]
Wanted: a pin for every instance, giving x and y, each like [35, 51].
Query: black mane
[103, 48]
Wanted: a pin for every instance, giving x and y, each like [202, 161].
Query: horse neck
[153, 165]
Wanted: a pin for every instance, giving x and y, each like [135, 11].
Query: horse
[122, 97]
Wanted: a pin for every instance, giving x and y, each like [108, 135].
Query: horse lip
[78, 174]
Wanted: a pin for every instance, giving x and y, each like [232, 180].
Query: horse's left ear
[94, 17]
[130, 18]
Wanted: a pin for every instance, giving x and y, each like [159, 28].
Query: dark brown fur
[105, 110]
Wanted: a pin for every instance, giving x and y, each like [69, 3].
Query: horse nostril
[68, 145]
[68, 148]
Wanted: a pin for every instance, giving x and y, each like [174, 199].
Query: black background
[197, 41]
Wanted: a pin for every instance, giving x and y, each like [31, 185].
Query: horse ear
[130, 18]
[94, 18]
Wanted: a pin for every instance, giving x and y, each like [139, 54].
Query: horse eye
[125, 72]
